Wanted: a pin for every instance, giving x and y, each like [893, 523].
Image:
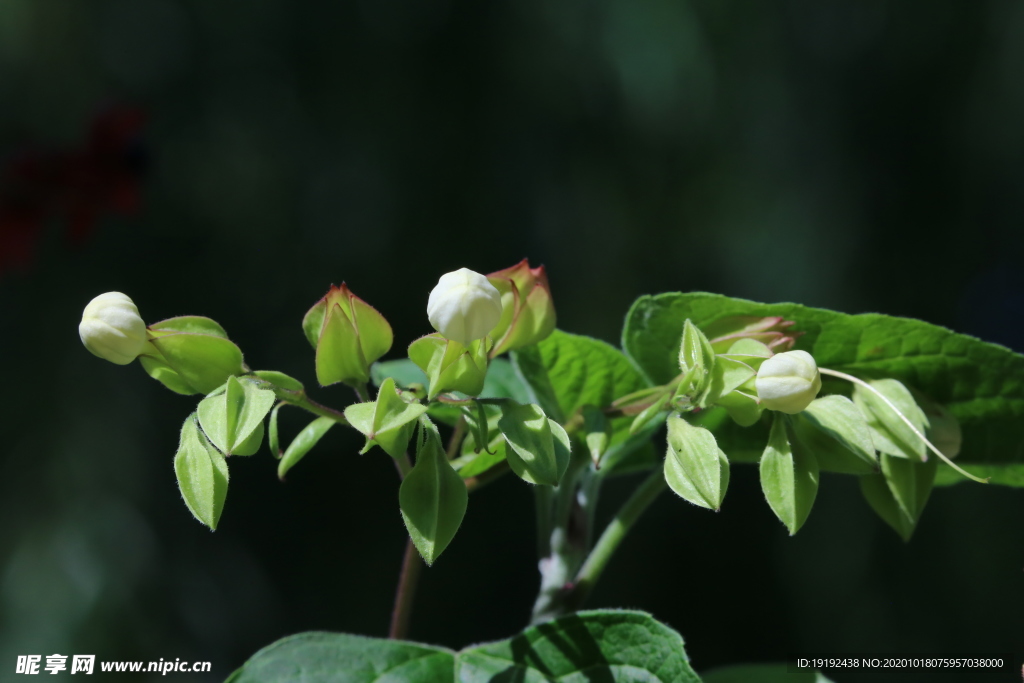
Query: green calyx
[451, 366]
[190, 355]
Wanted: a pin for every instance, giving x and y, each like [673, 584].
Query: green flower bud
[112, 328]
[788, 382]
[464, 306]
[528, 313]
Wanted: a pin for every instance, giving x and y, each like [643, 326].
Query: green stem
[362, 392]
[300, 399]
[613, 534]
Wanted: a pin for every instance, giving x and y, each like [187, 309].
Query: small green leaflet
[202, 474]
[303, 443]
[789, 478]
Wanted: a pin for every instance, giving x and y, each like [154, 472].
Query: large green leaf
[611, 646]
[317, 657]
[567, 371]
[607, 645]
[981, 383]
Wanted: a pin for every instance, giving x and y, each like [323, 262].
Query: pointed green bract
[889, 433]
[338, 356]
[156, 366]
[696, 357]
[789, 478]
[348, 335]
[649, 413]
[387, 422]
[202, 474]
[201, 361]
[538, 447]
[432, 497]
[742, 407]
[835, 431]
[910, 482]
[232, 417]
[899, 492]
[303, 443]
[451, 366]
[695, 467]
[597, 432]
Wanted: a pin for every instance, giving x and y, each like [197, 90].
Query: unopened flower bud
[464, 306]
[528, 314]
[112, 328]
[788, 382]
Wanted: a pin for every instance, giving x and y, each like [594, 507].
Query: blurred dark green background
[853, 154]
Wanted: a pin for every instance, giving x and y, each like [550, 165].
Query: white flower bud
[464, 306]
[788, 382]
[112, 329]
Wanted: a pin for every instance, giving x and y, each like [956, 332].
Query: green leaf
[473, 464]
[202, 474]
[609, 646]
[403, 371]
[900, 491]
[762, 673]
[889, 433]
[231, 417]
[203, 362]
[565, 372]
[649, 413]
[695, 467]
[156, 367]
[273, 440]
[190, 324]
[432, 497]
[303, 443]
[279, 379]
[834, 430]
[910, 482]
[596, 433]
[317, 657]
[789, 478]
[387, 422]
[981, 384]
[538, 447]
